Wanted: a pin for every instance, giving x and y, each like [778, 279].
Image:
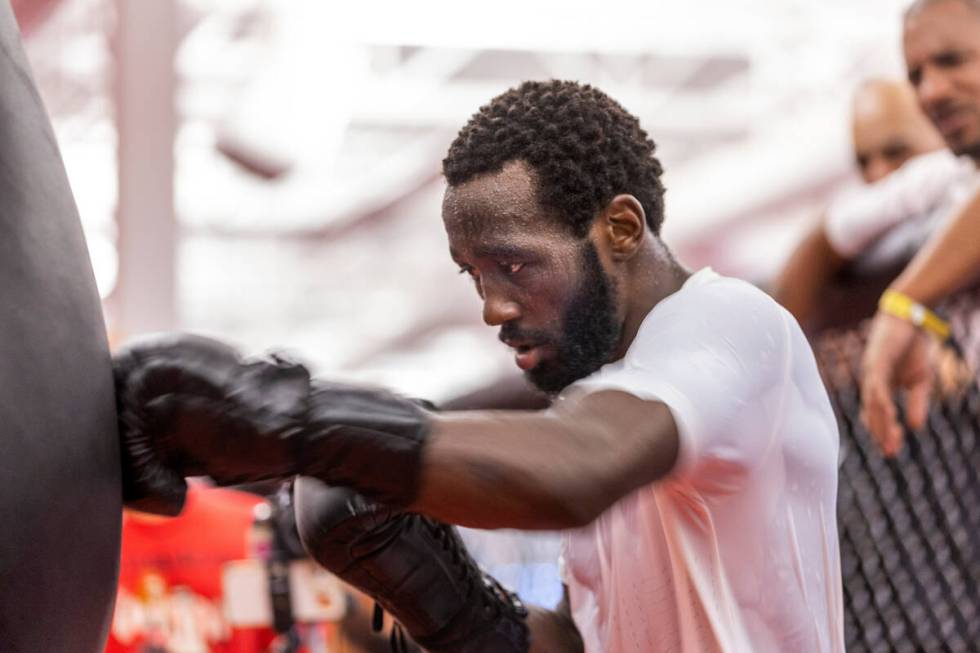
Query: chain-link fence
[910, 526]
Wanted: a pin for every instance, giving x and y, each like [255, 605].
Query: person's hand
[895, 358]
[416, 568]
[193, 406]
[189, 405]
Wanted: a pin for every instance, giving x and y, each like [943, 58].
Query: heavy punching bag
[60, 505]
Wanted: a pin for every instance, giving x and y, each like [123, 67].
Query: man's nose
[499, 309]
[934, 87]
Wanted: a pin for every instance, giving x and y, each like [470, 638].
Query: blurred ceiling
[308, 153]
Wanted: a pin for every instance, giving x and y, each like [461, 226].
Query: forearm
[949, 260]
[239, 420]
[544, 470]
[511, 392]
[806, 274]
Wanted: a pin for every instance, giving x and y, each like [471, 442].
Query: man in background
[942, 54]
[888, 131]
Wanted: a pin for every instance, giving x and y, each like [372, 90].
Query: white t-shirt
[736, 549]
[886, 222]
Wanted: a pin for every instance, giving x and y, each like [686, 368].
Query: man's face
[889, 128]
[942, 56]
[545, 288]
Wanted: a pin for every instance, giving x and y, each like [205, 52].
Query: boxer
[941, 44]
[691, 451]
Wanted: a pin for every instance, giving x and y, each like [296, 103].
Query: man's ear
[622, 225]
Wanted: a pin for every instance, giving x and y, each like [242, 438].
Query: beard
[589, 330]
[971, 150]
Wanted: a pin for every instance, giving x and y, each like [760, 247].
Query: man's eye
[915, 76]
[511, 268]
[949, 59]
[474, 277]
[896, 152]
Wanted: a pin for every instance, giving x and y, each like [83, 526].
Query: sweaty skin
[561, 467]
[556, 468]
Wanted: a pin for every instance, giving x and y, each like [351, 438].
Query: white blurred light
[105, 262]
[354, 104]
[90, 163]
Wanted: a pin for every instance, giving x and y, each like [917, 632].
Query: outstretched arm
[806, 274]
[948, 261]
[509, 392]
[544, 470]
[896, 357]
[192, 406]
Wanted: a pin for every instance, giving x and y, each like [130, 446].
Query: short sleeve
[718, 357]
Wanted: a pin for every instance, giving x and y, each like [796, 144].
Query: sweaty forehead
[504, 201]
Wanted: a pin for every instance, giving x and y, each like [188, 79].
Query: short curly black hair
[583, 146]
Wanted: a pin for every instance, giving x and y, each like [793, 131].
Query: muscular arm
[949, 260]
[896, 356]
[544, 470]
[806, 274]
[510, 392]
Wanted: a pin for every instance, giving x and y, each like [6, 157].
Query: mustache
[513, 333]
[944, 108]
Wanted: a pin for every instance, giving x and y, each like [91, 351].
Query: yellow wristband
[902, 306]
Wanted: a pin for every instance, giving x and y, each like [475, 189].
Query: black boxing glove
[149, 484]
[190, 405]
[415, 567]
